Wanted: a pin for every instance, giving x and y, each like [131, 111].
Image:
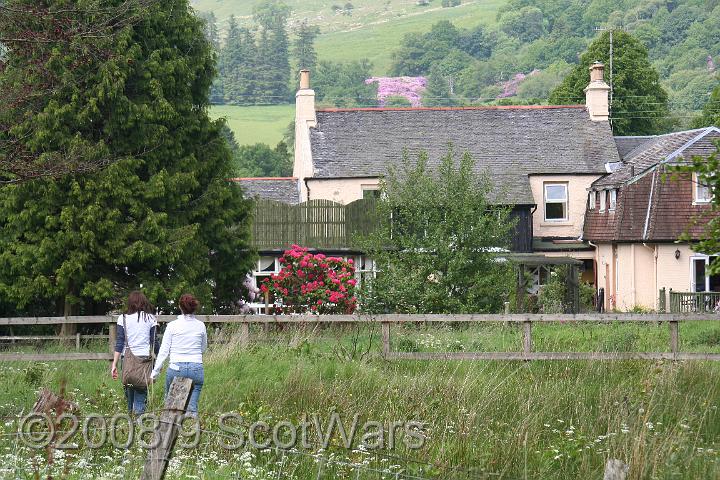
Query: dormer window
[613, 200]
[556, 202]
[703, 192]
[592, 199]
[603, 200]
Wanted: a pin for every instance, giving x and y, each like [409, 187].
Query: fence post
[244, 335]
[385, 339]
[77, 341]
[527, 337]
[662, 301]
[113, 336]
[672, 302]
[615, 470]
[167, 431]
[674, 337]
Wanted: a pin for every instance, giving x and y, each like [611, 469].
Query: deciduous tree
[640, 103]
[439, 242]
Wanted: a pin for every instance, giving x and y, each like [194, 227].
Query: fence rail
[681, 302]
[386, 320]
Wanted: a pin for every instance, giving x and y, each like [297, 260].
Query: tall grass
[549, 420]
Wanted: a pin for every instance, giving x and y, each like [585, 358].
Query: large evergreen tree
[238, 65]
[163, 216]
[304, 46]
[640, 104]
[273, 52]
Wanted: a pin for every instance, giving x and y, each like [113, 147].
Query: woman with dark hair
[136, 330]
[184, 341]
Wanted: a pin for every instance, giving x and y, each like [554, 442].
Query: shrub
[312, 283]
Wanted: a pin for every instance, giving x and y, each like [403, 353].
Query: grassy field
[373, 31]
[261, 124]
[509, 420]
[378, 40]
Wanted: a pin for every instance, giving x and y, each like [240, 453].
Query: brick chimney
[596, 94]
[305, 119]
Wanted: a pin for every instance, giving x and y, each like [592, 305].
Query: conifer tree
[273, 65]
[165, 219]
[304, 46]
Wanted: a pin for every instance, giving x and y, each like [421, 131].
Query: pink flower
[408, 87]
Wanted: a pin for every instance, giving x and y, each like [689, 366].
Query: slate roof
[653, 206]
[649, 153]
[509, 142]
[625, 145]
[279, 189]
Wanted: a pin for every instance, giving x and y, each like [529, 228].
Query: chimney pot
[596, 94]
[304, 79]
[597, 71]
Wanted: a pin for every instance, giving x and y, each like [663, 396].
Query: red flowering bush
[312, 283]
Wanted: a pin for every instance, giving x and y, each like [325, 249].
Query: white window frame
[592, 199]
[566, 202]
[603, 200]
[706, 258]
[698, 187]
[613, 200]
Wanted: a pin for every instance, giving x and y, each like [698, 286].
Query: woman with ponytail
[184, 341]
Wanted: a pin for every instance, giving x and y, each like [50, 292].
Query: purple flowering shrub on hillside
[510, 88]
[408, 87]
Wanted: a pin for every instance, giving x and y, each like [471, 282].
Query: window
[592, 200]
[370, 193]
[556, 202]
[266, 267]
[703, 192]
[613, 200]
[365, 269]
[603, 200]
[702, 281]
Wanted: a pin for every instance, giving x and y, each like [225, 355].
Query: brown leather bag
[136, 369]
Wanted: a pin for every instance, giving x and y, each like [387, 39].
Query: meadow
[510, 420]
[256, 124]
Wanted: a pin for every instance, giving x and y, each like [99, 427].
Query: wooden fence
[686, 302]
[385, 322]
[314, 224]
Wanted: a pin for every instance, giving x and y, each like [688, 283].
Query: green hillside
[373, 31]
[377, 40]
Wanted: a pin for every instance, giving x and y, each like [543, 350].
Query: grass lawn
[548, 420]
[261, 124]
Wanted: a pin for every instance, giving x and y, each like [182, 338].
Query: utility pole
[603, 29]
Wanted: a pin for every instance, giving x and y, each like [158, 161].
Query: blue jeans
[136, 399]
[193, 371]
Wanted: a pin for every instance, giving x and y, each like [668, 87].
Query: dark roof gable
[509, 142]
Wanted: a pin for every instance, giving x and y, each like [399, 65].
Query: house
[637, 215]
[542, 159]
[580, 195]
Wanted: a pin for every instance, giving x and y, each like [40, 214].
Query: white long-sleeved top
[185, 340]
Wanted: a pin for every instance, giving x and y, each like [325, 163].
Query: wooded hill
[496, 40]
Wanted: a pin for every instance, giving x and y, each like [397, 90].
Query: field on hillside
[256, 124]
[373, 31]
[504, 420]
